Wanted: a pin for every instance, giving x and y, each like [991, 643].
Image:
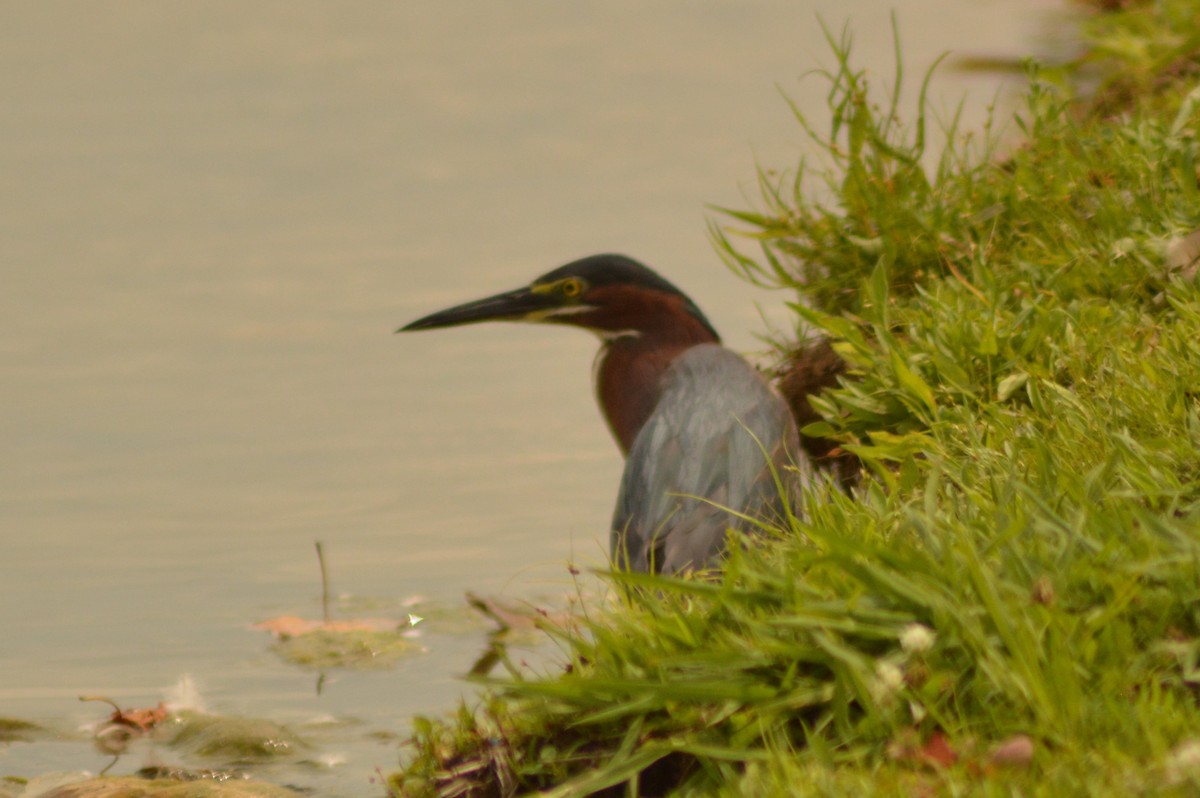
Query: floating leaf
[128, 787]
[347, 648]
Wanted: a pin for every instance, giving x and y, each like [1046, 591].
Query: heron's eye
[571, 287]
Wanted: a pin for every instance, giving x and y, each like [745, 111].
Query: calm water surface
[213, 216]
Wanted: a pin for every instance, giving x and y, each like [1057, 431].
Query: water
[212, 218]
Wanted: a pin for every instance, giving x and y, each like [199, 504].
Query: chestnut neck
[629, 367]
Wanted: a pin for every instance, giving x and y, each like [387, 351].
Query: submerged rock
[234, 740]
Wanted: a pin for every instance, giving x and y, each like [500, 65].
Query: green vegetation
[14, 730]
[1009, 600]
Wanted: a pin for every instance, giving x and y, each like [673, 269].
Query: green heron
[707, 443]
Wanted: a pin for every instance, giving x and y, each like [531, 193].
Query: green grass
[1024, 395]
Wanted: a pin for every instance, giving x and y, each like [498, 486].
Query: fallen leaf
[938, 751]
[286, 626]
[1183, 254]
[1016, 751]
[140, 719]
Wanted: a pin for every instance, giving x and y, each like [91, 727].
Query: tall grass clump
[1008, 601]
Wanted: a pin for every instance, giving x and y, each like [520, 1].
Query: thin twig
[324, 583]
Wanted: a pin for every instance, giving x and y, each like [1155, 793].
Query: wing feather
[702, 450]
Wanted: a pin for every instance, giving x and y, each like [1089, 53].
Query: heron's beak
[522, 304]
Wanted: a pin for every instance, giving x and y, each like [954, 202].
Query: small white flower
[890, 677]
[888, 681]
[917, 638]
[413, 620]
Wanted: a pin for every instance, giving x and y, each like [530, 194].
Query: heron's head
[611, 295]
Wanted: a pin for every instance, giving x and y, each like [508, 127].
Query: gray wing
[696, 454]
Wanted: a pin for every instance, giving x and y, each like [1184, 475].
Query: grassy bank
[1008, 602]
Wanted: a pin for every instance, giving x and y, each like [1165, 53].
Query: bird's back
[716, 439]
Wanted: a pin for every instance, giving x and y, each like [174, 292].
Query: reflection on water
[214, 216]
